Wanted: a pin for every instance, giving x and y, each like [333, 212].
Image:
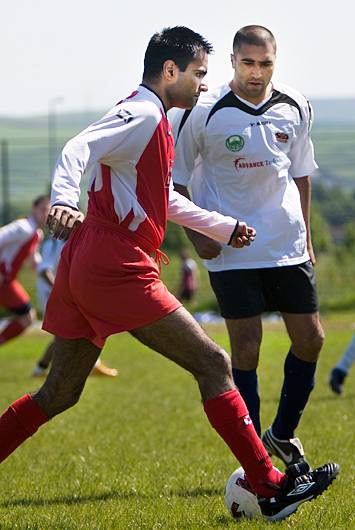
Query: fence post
[5, 182]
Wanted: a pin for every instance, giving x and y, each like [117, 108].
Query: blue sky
[86, 54]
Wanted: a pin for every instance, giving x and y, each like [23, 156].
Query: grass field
[138, 453]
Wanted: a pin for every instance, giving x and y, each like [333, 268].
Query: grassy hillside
[29, 157]
[335, 153]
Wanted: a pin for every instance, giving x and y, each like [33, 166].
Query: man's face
[40, 213]
[253, 69]
[190, 83]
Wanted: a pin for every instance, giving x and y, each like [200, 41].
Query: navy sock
[247, 383]
[297, 386]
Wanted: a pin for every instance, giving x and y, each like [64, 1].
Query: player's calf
[54, 400]
[73, 360]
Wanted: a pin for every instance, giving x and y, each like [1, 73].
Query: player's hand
[62, 220]
[243, 236]
[205, 247]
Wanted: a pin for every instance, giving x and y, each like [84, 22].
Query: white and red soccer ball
[239, 498]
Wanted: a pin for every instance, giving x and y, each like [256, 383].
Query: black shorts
[243, 293]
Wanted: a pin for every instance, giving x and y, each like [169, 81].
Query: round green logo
[235, 143]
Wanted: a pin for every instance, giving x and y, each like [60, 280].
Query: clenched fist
[62, 220]
[243, 236]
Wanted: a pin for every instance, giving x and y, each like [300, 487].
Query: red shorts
[13, 296]
[105, 284]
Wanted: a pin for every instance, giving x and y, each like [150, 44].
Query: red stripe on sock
[229, 415]
[20, 421]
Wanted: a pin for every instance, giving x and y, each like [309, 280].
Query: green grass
[138, 452]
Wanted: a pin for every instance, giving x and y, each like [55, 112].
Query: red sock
[229, 415]
[13, 329]
[20, 421]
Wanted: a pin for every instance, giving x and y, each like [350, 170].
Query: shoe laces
[307, 477]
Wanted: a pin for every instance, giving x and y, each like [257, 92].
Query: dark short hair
[41, 198]
[253, 35]
[178, 44]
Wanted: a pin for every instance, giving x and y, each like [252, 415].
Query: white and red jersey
[130, 154]
[18, 241]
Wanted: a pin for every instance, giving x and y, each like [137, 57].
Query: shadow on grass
[110, 495]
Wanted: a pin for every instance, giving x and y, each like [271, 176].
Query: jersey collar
[155, 94]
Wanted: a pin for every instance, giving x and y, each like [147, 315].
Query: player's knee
[216, 376]
[309, 345]
[220, 364]
[246, 354]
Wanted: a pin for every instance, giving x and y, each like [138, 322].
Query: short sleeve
[302, 151]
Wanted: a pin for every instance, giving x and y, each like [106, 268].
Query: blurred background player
[46, 271]
[341, 370]
[189, 277]
[19, 241]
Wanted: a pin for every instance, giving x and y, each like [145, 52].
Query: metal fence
[26, 167]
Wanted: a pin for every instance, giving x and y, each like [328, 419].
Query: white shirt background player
[245, 150]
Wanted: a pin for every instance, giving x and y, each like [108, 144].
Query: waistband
[159, 256]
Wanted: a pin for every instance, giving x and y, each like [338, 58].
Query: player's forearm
[212, 224]
[185, 193]
[67, 176]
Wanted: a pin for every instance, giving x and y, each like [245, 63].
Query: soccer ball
[238, 498]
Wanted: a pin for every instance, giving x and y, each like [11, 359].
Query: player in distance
[18, 242]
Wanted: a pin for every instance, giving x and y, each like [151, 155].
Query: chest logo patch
[235, 143]
[282, 137]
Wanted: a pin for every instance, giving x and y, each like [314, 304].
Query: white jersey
[131, 152]
[18, 241]
[241, 160]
